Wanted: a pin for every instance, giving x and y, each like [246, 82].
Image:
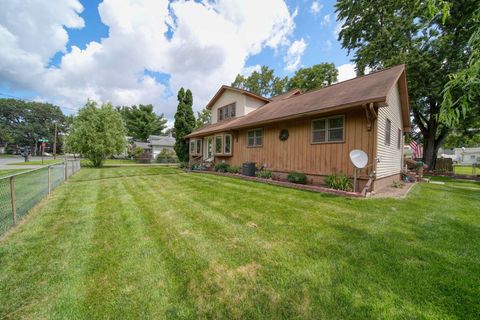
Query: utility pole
[55, 143]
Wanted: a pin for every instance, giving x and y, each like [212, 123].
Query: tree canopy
[314, 77]
[203, 118]
[97, 133]
[263, 83]
[141, 121]
[430, 37]
[184, 123]
[24, 123]
[267, 84]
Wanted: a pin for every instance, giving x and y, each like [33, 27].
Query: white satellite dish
[359, 159]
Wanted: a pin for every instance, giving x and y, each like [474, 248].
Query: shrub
[398, 184]
[221, 167]
[167, 156]
[144, 157]
[233, 169]
[297, 177]
[136, 152]
[184, 165]
[264, 174]
[339, 182]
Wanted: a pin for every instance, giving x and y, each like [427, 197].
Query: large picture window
[331, 129]
[255, 138]
[227, 112]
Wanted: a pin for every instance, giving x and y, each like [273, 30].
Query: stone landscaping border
[306, 187]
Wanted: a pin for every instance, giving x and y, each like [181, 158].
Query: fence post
[65, 173]
[12, 196]
[49, 181]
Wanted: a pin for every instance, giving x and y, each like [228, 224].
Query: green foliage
[167, 156]
[263, 83]
[136, 152]
[142, 121]
[184, 123]
[97, 133]
[430, 37]
[203, 118]
[462, 91]
[297, 177]
[221, 167]
[233, 169]
[339, 182]
[264, 174]
[314, 77]
[24, 123]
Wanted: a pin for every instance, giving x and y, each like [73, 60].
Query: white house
[463, 156]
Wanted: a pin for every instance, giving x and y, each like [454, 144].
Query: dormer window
[226, 112]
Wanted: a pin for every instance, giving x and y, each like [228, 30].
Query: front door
[208, 148]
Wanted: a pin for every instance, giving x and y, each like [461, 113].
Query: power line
[15, 97]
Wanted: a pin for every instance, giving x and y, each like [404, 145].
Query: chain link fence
[22, 191]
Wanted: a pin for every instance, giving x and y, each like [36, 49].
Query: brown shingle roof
[373, 87]
[286, 95]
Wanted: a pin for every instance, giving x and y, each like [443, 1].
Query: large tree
[24, 123]
[432, 43]
[263, 83]
[203, 118]
[141, 121]
[313, 77]
[184, 123]
[97, 133]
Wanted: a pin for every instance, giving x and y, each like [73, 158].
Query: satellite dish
[359, 158]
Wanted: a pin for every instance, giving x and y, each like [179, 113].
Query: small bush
[167, 156]
[297, 177]
[233, 169]
[136, 152]
[221, 167]
[184, 165]
[398, 184]
[339, 182]
[264, 174]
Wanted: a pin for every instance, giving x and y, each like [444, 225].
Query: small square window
[328, 129]
[255, 138]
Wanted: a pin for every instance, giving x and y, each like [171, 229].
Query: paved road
[4, 163]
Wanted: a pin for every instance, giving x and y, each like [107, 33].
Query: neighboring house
[312, 132]
[463, 156]
[156, 144]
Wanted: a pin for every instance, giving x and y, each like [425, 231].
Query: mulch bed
[307, 187]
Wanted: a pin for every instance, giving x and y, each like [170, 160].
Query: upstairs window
[227, 112]
[255, 138]
[329, 129]
[388, 132]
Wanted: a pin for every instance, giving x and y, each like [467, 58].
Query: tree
[142, 121]
[462, 91]
[317, 76]
[430, 37]
[263, 83]
[184, 123]
[24, 123]
[466, 133]
[97, 133]
[203, 118]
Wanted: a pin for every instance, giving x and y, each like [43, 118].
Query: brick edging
[306, 187]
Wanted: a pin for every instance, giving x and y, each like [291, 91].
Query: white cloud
[247, 71]
[326, 19]
[316, 7]
[347, 71]
[294, 55]
[209, 45]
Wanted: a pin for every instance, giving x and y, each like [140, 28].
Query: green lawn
[7, 172]
[465, 170]
[109, 162]
[37, 162]
[152, 242]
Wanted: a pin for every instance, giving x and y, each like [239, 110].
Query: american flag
[417, 149]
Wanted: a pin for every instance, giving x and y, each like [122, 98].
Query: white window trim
[215, 144]
[327, 129]
[231, 143]
[195, 142]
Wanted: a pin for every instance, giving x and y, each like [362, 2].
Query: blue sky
[142, 51]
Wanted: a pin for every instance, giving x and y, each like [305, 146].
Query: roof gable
[225, 88]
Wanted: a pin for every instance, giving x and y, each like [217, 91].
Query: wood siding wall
[391, 156]
[297, 153]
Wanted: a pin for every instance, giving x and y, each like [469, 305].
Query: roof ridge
[355, 78]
